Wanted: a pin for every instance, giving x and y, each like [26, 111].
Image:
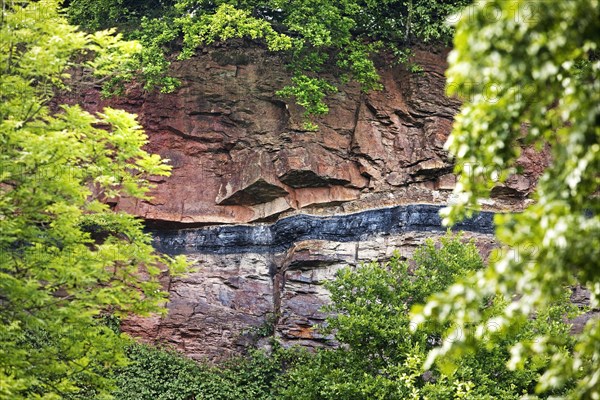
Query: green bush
[163, 374]
[381, 356]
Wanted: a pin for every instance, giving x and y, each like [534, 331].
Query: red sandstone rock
[239, 152]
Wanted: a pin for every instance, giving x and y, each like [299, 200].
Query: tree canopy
[68, 263]
[541, 58]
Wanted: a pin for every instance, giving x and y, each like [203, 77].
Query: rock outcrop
[240, 154]
[277, 199]
[263, 280]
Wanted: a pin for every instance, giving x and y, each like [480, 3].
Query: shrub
[381, 356]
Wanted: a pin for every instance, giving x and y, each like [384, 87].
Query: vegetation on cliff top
[317, 38]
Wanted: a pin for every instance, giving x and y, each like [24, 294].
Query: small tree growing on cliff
[66, 259]
[541, 58]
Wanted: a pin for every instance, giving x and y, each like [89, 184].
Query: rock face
[288, 232]
[277, 197]
[240, 155]
[263, 280]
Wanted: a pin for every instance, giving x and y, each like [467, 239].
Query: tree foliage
[163, 374]
[67, 260]
[124, 14]
[380, 357]
[531, 72]
[338, 38]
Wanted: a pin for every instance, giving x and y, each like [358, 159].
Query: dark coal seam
[281, 235]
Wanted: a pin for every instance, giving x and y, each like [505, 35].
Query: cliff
[268, 211]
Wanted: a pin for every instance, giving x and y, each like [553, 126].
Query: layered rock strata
[240, 154]
[288, 232]
[267, 280]
[268, 211]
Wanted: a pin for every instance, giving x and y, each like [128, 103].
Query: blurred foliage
[529, 73]
[66, 259]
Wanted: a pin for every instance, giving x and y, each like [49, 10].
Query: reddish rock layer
[239, 153]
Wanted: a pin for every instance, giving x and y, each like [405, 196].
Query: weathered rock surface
[239, 153]
[262, 280]
[287, 232]
[287, 207]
